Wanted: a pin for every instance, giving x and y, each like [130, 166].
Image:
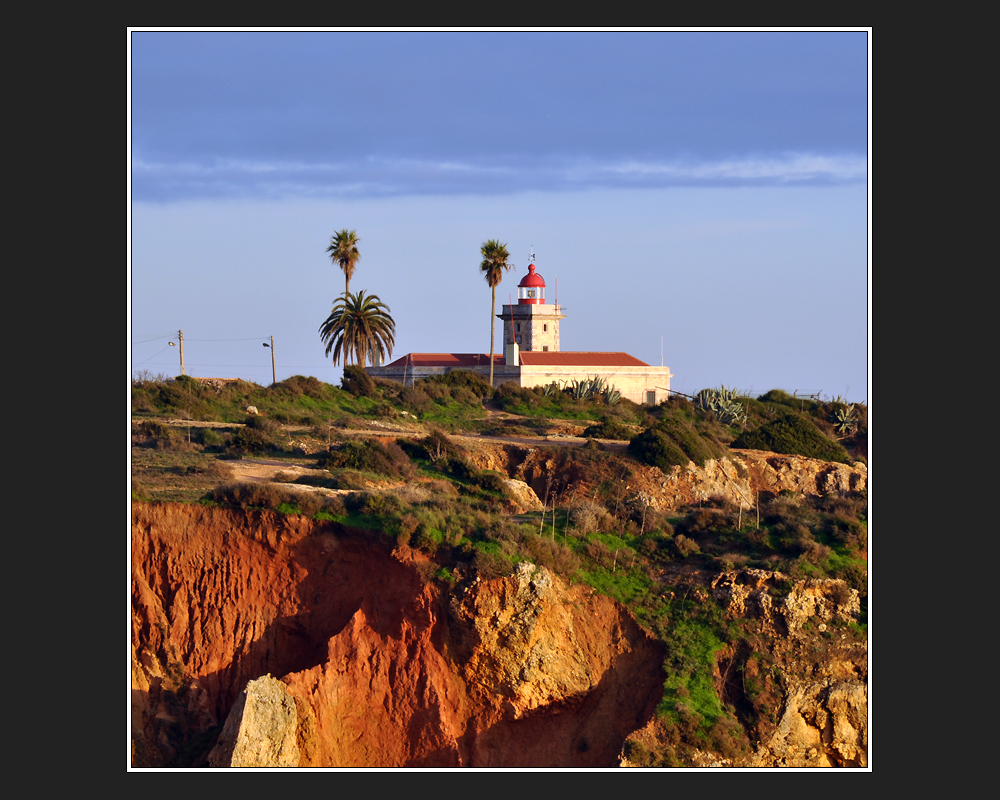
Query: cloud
[792, 168]
[379, 176]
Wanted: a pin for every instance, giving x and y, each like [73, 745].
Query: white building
[531, 354]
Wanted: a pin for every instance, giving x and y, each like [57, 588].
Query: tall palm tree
[494, 264]
[358, 326]
[343, 250]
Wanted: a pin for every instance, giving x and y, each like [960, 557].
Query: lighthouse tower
[532, 324]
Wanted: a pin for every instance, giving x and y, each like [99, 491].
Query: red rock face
[386, 670]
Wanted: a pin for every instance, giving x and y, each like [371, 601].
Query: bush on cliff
[673, 442]
[608, 429]
[369, 455]
[258, 435]
[791, 434]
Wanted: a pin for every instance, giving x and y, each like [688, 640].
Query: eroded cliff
[381, 667]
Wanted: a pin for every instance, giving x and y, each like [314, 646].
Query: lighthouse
[532, 324]
[531, 355]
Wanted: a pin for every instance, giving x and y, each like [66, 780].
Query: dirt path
[563, 433]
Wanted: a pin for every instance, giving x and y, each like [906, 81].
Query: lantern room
[531, 289]
[532, 323]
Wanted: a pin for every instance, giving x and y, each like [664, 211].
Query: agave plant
[588, 388]
[580, 390]
[612, 396]
[551, 390]
[724, 403]
[845, 420]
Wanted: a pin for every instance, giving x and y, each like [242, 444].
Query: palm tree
[343, 250]
[358, 326]
[495, 257]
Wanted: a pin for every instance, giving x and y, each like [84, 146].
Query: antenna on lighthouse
[532, 258]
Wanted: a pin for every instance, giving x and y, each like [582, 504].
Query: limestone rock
[523, 496]
[823, 725]
[260, 730]
[755, 594]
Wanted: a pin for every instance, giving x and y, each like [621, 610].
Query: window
[545, 328]
[545, 348]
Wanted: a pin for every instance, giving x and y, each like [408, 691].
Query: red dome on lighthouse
[531, 289]
[532, 278]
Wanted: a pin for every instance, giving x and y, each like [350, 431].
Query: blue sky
[707, 188]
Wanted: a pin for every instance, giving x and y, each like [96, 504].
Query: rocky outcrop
[823, 721]
[376, 666]
[380, 667]
[823, 724]
[765, 596]
[737, 478]
[523, 497]
[261, 730]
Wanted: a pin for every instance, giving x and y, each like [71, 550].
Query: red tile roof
[579, 359]
[447, 360]
[529, 359]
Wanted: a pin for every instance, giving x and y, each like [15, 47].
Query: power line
[189, 339]
[164, 350]
[254, 339]
[156, 338]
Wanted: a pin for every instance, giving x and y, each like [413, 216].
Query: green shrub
[490, 481]
[474, 384]
[511, 394]
[299, 385]
[673, 442]
[358, 382]
[209, 437]
[791, 434]
[783, 400]
[779, 396]
[609, 429]
[685, 546]
[258, 435]
[267, 495]
[369, 455]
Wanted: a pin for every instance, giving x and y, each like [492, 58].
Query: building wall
[535, 327]
[633, 382]
[407, 375]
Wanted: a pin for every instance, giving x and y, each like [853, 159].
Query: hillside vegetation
[385, 458]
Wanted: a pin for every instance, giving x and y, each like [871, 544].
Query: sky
[700, 197]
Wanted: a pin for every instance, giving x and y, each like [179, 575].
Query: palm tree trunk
[493, 328]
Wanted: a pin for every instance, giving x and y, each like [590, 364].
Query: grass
[693, 640]
[172, 476]
[458, 516]
[626, 586]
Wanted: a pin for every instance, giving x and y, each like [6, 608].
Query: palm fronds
[360, 327]
[343, 251]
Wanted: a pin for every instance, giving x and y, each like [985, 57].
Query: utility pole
[274, 372]
[180, 338]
